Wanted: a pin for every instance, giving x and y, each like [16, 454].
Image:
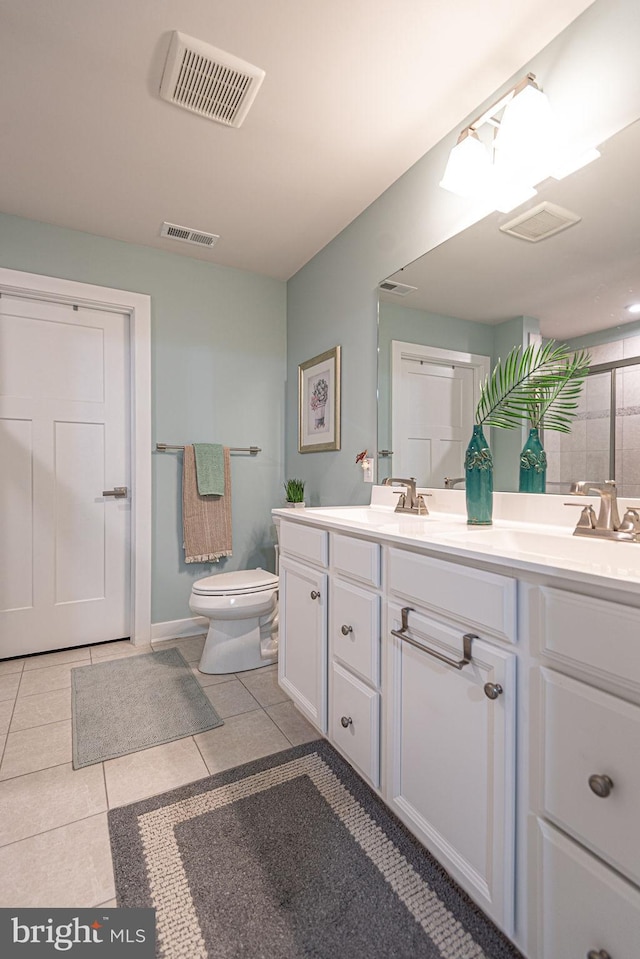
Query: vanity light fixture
[511, 147]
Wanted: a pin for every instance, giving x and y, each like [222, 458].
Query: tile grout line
[44, 832]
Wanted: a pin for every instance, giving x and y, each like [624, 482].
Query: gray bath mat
[127, 704]
[288, 857]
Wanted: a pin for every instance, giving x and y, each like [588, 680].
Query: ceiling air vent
[185, 235]
[540, 222]
[399, 289]
[208, 81]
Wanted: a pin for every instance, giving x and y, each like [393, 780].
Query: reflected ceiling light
[634, 308]
[525, 147]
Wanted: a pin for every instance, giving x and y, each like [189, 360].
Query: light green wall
[590, 72]
[218, 370]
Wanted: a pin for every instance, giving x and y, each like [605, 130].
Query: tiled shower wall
[584, 452]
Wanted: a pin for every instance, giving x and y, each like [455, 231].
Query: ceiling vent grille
[540, 222]
[185, 235]
[398, 289]
[208, 81]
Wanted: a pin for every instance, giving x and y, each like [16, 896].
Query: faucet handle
[587, 517]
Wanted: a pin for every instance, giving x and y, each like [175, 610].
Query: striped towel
[206, 520]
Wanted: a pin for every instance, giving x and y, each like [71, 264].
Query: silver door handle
[118, 491]
[467, 640]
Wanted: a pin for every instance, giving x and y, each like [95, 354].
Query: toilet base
[233, 646]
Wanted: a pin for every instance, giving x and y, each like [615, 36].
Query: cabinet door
[450, 770]
[302, 653]
[585, 909]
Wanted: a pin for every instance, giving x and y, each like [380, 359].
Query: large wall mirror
[465, 303]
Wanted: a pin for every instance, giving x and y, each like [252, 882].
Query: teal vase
[478, 465]
[533, 465]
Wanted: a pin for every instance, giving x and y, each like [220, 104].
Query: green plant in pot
[540, 382]
[554, 405]
[294, 489]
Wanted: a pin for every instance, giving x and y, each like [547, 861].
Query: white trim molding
[138, 308]
[177, 628]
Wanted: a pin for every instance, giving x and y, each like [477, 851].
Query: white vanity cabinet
[354, 653]
[586, 793]
[302, 655]
[450, 727]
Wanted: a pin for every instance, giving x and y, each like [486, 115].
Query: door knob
[600, 785]
[600, 954]
[118, 492]
[346, 721]
[492, 690]
[345, 630]
[314, 594]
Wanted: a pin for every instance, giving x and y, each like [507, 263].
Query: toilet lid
[234, 584]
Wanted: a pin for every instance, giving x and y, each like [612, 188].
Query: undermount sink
[551, 544]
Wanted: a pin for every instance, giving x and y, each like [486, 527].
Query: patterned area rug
[287, 857]
[128, 704]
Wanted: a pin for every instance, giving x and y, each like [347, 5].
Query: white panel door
[433, 425]
[64, 439]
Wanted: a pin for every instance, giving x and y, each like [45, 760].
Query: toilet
[242, 609]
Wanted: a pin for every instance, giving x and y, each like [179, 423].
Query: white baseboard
[174, 629]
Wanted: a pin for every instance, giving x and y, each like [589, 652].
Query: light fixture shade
[527, 143]
[469, 168]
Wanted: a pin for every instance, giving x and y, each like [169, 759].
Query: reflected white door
[432, 422]
[64, 439]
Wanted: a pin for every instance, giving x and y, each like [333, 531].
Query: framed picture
[319, 403]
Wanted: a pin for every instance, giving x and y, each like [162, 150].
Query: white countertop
[512, 546]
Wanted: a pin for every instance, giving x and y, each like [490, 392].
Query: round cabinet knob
[346, 721]
[601, 786]
[492, 690]
[314, 594]
[345, 630]
[598, 954]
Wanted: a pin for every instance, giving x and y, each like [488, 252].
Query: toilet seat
[238, 583]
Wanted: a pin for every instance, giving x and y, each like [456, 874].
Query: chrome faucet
[408, 501]
[451, 482]
[607, 524]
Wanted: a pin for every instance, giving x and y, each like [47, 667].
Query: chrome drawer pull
[467, 640]
[601, 786]
[345, 630]
[346, 721]
[600, 954]
[492, 690]
[314, 594]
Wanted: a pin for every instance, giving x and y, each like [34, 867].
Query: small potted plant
[294, 489]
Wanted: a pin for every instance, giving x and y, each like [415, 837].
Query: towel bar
[163, 447]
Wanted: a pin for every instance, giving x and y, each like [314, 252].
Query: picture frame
[319, 403]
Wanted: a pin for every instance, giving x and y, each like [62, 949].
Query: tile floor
[54, 842]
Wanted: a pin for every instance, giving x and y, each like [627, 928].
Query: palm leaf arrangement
[539, 383]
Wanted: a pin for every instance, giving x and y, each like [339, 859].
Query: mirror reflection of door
[433, 398]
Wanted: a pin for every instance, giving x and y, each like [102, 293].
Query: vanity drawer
[485, 601]
[304, 542]
[354, 722]
[591, 634]
[584, 907]
[589, 733]
[355, 629]
[357, 558]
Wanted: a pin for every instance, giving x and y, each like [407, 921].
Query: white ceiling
[355, 92]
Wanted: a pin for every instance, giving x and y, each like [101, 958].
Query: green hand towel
[209, 468]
